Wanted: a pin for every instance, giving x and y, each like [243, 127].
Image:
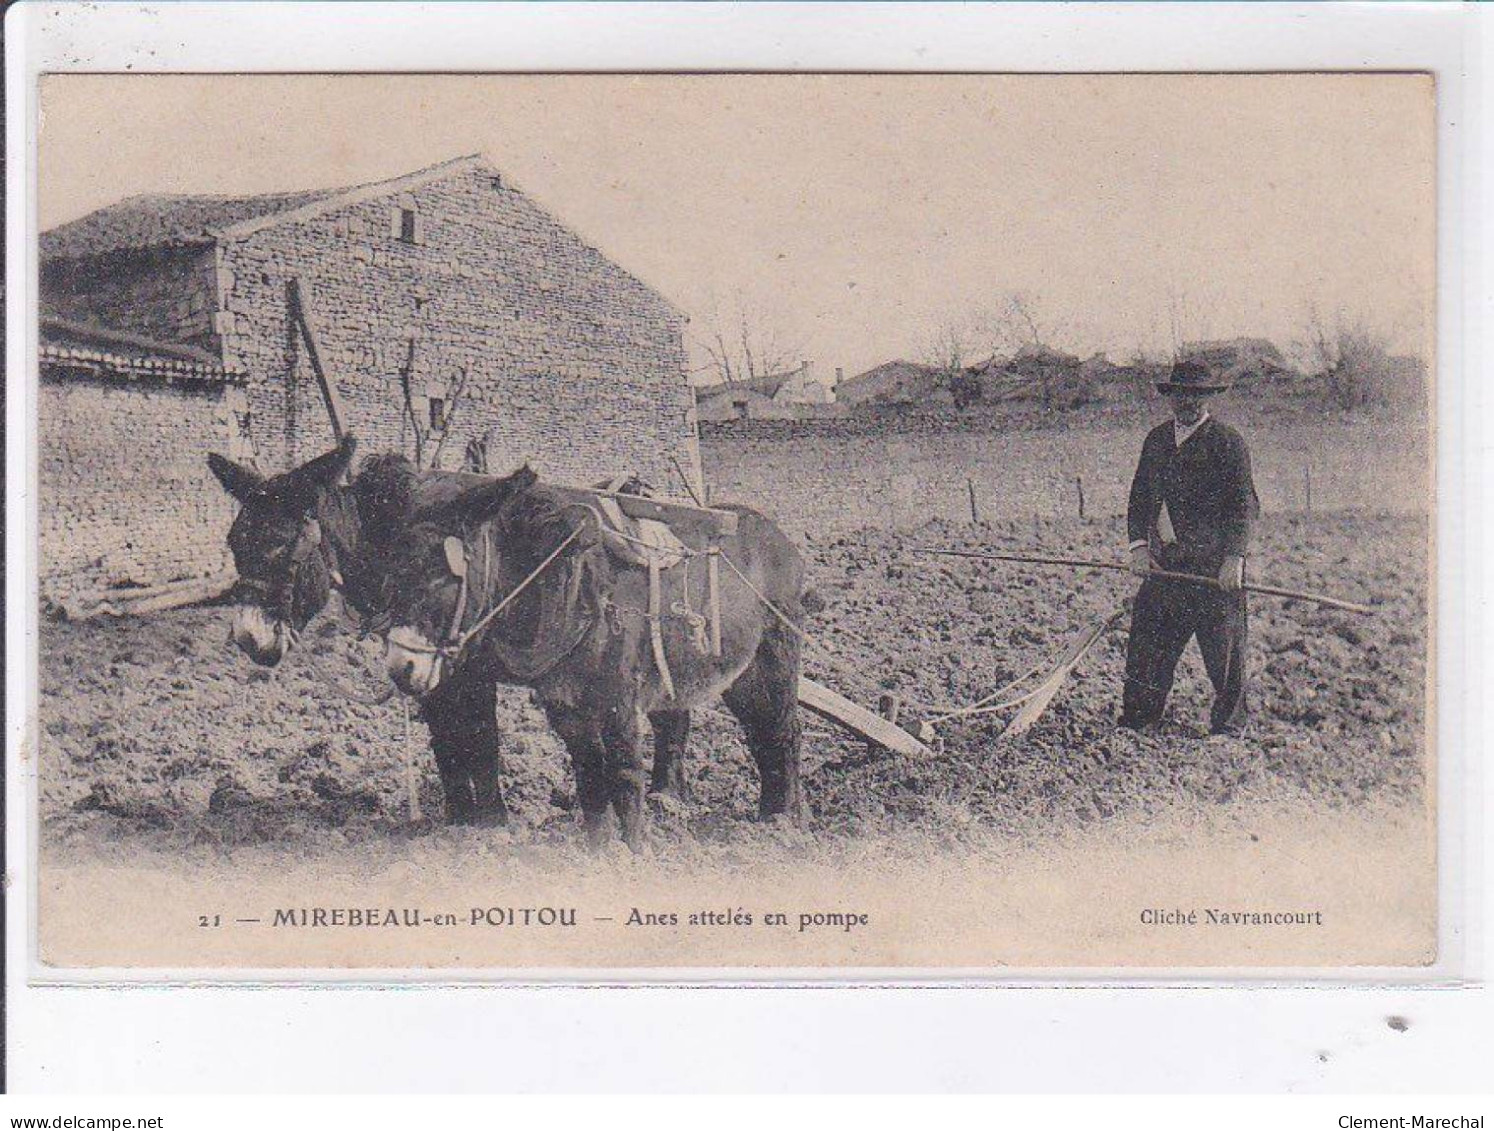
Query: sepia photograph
[547, 525]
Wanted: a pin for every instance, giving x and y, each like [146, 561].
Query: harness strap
[459, 614]
[655, 630]
[453, 647]
[713, 597]
[487, 618]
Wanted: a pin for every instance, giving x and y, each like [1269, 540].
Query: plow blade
[868, 724]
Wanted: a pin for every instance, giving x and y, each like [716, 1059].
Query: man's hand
[1141, 561]
[1232, 573]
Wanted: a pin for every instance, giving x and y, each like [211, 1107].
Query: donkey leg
[442, 712]
[484, 757]
[583, 740]
[621, 727]
[464, 734]
[765, 700]
[671, 733]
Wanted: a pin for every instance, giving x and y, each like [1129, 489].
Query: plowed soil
[157, 735]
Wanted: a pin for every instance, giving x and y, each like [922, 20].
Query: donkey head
[428, 585]
[285, 570]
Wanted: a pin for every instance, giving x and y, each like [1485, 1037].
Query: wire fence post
[1079, 483]
[1307, 483]
[974, 510]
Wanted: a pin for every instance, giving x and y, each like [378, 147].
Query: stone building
[458, 321]
[790, 395]
[892, 383]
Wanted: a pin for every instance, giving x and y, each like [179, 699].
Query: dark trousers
[1166, 615]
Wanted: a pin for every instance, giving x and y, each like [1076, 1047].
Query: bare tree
[1352, 360]
[741, 342]
[412, 418]
[959, 341]
[1022, 325]
[1014, 324]
[952, 347]
[456, 389]
[424, 431]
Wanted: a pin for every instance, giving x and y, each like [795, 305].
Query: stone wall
[125, 496]
[568, 361]
[827, 477]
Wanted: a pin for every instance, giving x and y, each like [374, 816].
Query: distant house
[1040, 372]
[456, 317]
[1239, 359]
[894, 382]
[803, 386]
[778, 396]
[739, 400]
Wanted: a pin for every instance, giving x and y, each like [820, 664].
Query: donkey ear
[323, 471]
[238, 480]
[477, 504]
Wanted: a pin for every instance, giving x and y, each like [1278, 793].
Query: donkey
[453, 564]
[300, 534]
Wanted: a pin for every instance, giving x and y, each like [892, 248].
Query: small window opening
[407, 225]
[438, 414]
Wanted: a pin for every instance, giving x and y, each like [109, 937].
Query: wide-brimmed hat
[1191, 377]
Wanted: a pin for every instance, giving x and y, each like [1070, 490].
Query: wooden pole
[890, 707]
[685, 479]
[1079, 483]
[329, 389]
[1307, 479]
[974, 510]
[1165, 575]
[868, 724]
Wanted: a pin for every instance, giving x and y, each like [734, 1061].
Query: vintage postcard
[549, 525]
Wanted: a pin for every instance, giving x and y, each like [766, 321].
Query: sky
[853, 216]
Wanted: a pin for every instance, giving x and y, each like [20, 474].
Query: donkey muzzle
[412, 661]
[258, 636]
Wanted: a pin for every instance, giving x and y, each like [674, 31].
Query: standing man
[1198, 471]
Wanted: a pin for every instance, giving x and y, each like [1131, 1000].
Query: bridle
[277, 597]
[456, 640]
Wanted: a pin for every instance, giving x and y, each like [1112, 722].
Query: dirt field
[156, 736]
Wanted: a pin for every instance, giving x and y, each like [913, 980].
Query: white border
[72, 1036]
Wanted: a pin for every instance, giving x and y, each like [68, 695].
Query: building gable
[461, 323]
[533, 343]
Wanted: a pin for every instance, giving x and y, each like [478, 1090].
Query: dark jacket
[1208, 490]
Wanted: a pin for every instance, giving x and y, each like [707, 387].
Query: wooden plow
[857, 719]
